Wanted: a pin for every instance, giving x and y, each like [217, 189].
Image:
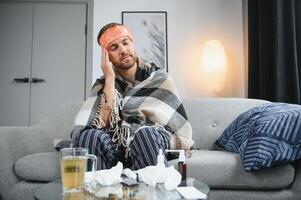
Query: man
[134, 109]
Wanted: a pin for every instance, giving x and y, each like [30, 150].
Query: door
[15, 62]
[59, 45]
[42, 59]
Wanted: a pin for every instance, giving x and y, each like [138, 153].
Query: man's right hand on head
[106, 65]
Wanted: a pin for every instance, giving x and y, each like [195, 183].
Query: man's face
[122, 53]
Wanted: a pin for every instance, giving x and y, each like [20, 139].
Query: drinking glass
[73, 168]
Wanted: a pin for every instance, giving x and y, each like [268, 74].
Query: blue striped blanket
[265, 136]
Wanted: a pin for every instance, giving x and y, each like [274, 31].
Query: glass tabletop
[141, 191]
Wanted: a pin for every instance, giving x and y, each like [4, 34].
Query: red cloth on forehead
[114, 33]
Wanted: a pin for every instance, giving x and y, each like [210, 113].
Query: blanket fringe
[121, 134]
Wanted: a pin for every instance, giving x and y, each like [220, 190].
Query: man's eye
[113, 48]
[125, 43]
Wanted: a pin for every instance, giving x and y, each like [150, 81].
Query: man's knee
[91, 136]
[148, 132]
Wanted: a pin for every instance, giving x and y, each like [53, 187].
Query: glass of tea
[73, 168]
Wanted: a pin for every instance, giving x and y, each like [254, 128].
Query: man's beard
[126, 65]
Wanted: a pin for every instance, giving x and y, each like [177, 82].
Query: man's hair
[106, 27]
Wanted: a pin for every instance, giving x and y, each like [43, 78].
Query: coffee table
[53, 191]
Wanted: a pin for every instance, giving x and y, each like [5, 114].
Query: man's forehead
[122, 39]
[114, 33]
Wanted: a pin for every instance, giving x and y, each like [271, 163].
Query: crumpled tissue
[106, 176]
[152, 175]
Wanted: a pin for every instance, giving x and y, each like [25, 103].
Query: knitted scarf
[152, 101]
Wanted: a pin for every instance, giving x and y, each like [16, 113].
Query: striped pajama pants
[144, 147]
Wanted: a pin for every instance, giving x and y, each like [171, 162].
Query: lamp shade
[214, 65]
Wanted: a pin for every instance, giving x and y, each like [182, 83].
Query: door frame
[89, 35]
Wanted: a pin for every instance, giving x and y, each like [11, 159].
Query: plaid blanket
[153, 100]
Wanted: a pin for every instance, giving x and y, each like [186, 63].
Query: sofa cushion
[224, 170]
[265, 136]
[39, 167]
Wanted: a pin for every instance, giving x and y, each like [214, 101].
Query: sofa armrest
[295, 187]
[15, 143]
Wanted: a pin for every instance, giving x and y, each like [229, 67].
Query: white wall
[190, 24]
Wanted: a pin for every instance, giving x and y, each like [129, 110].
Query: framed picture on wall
[150, 33]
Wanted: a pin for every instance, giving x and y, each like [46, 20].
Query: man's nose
[122, 49]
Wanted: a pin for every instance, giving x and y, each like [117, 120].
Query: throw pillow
[39, 167]
[265, 136]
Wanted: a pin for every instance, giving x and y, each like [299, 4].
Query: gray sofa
[28, 159]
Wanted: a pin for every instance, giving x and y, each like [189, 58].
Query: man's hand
[106, 65]
[109, 86]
